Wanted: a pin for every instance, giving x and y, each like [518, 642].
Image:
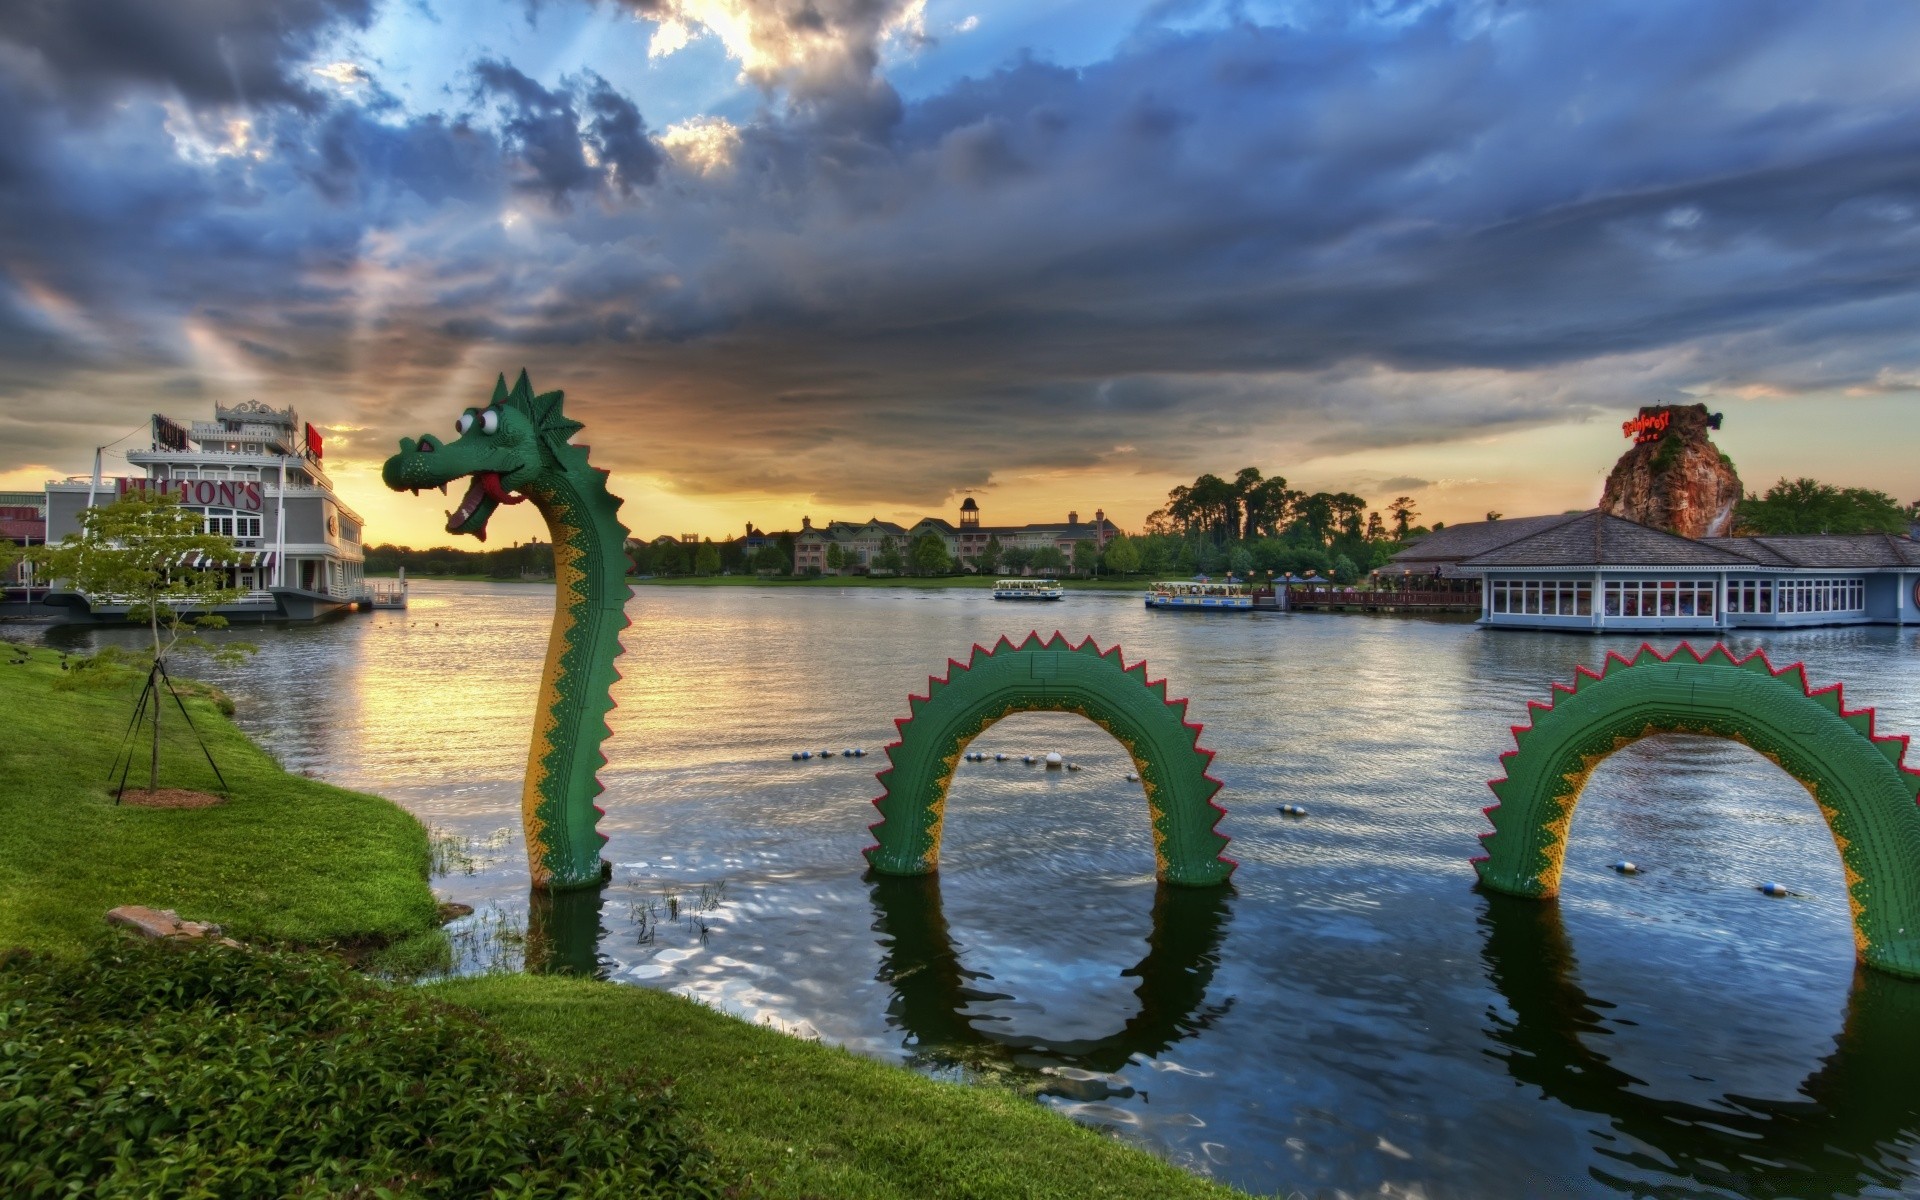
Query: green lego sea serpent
[1857, 778]
[1051, 676]
[516, 449]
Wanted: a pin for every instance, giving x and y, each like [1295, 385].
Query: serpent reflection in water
[563, 932]
[933, 990]
[1841, 1140]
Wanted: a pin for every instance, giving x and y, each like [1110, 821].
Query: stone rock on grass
[164, 923]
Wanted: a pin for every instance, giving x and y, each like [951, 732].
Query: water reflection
[564, 932]
[1854, 1130]
[933, 991]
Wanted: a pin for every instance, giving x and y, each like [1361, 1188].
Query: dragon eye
[464, 423]
[490, 421]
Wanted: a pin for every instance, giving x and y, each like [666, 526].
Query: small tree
[771, 560]
[1240, 561]
[706, 560]
[888, 558]
[836, 557]
[929, 555]
[1403, 514]
[988, 560]
[1086, 556]
[1049, 558]
[1344, 571]
[1123, 555]
[1015, 560]
[157, 558]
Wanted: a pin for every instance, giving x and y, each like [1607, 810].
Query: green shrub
[167, 1070]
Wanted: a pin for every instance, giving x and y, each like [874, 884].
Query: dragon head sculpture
[504, 449]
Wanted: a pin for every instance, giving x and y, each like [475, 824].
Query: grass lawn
[293, 860]
[287, 859]
[799, 1120]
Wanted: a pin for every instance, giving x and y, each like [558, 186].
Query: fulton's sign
[241, 494]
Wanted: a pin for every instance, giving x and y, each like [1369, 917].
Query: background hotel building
[860, 541]
[1589, 571]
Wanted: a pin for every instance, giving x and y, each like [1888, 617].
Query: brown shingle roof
[1827, 551]
[1594, 539]
[1457, 542]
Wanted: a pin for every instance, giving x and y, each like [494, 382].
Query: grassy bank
[798, 1119]
[286, 858]
[159, 1069]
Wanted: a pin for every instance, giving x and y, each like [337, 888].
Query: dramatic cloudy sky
[842, 257]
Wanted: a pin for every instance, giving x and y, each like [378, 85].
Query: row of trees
[1249, 507]
[1809, 506]
[534, 560]
[1246, 525]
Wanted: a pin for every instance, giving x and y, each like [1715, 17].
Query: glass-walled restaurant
[1715, 603]
[1589, 571]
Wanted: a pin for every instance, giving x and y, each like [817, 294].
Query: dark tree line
[1252, 523]
[534, 560]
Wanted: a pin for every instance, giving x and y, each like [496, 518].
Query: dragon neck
[590, 596]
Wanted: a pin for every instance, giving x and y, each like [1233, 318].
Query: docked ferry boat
[1027, 589]
[1200, 594]
[256, 475]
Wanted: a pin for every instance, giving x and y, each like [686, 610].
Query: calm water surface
[1350, 1018]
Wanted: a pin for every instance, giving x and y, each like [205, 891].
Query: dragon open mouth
[469, 503]
[484, 492]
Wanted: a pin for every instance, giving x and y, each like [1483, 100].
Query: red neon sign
[1647, 427]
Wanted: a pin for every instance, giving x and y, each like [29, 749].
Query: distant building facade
[1591, 572]
[861, 542]
[23, 522]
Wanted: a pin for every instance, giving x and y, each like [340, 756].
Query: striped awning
[259, 560]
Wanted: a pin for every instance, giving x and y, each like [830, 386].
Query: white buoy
[1054, 761]
[1774, 889]
[846, 754]
[796, 756]
[1073, 766]
[999, 758]
[859, 753]
[826, 754]
[1292, 810]
[1132, 778]
[1626, 868]
[1028, 760]
[804, 754]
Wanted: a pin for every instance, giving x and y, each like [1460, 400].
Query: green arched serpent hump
[1858, 779]
[1051, 676]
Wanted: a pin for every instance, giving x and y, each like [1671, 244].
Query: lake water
[1351, 1018]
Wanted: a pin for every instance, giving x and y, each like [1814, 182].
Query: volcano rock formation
[1674, 478]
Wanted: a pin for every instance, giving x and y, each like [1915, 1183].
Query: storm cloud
[1339, 230]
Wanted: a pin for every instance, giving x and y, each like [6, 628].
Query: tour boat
[1200, 594]
[1028, 589]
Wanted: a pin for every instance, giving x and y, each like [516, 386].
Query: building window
[1660, 598]
[1750, 596]
[1818, 596]
[1543, 597]
[225, 522]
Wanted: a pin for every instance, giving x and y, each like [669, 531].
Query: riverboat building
[861, 542]
[1590, 572]
[256, 475]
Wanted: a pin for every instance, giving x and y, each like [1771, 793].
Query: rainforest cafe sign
[214, 493]
[1647, 426]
